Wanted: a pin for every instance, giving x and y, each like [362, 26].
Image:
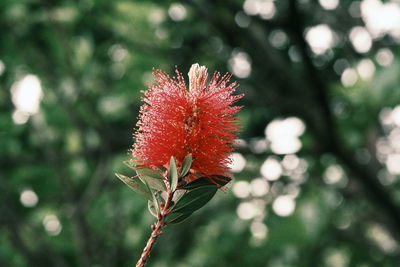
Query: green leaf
[199, 182]
[174, 218]
[153, 183]
[173, 174]
[195, 199]
[154, 178]
[221, 180]
[152, 208]
[154, 200]
[186, 165]
[203, 181]
[149, 172]
[135, 185]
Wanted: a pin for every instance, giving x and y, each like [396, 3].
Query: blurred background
[318, 160]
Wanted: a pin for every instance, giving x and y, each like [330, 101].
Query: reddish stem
[156, 230]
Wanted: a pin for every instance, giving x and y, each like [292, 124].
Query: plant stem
[156, 230]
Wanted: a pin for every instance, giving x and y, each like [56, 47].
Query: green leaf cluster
[148, 183]
[198, 193]
[151, 183]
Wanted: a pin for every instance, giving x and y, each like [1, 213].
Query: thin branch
[156, 230]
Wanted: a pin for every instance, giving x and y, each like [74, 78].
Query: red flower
[176, 120]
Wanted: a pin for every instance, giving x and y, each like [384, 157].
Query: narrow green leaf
[195, 199]
[203, 181]
[154, 178]
[199, 182]
[156, 204]
[186, 165]
[153, 183]
[154, 199]
[152, 208]
[135, 185]
[173, 174]
[175, 218]
[149, 172]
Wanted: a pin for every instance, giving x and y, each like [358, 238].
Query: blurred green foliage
[60, 202]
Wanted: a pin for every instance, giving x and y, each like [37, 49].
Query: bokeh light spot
[360, 39]
[271, 169]
[238, 162]
[320, 38]
[52, 225]
[26, 96]
[259, 187]
[246, 210]
[28, 198]
[284, 135]
[241, 189]
[381, 18]
[258, 230]
[384, 57]
[349, 77]
[333, 174]
[284, 205]
[240, 64]
[177, 12]
[329, 4]
[366, 69]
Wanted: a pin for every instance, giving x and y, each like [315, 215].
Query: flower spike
[199, 120]
[183, 141]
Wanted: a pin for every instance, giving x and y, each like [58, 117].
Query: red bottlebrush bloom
[176, 121]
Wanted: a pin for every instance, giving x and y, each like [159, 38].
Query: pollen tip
[197, 77]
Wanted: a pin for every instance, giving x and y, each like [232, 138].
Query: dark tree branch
[310, 101]
[253, 40]
[365, 175]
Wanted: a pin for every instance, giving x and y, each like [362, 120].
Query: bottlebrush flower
[176, 121]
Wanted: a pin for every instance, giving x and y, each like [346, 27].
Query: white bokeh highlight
[239, 64]
[381, 18]
[241, 189]
[384, 57]
[284, 205]
[329, 4]
[284, 134]
[271, 169]
[366, 69]
[177, 12]
[28, 198]
[349, 77]
[320, 38]
[248, 210]
[264, 8]
[26, 95]
[360, 39]
[258, 230]
[393, 163]
[333, 174]
[238, 162]
[259, 187]
[52, 225]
